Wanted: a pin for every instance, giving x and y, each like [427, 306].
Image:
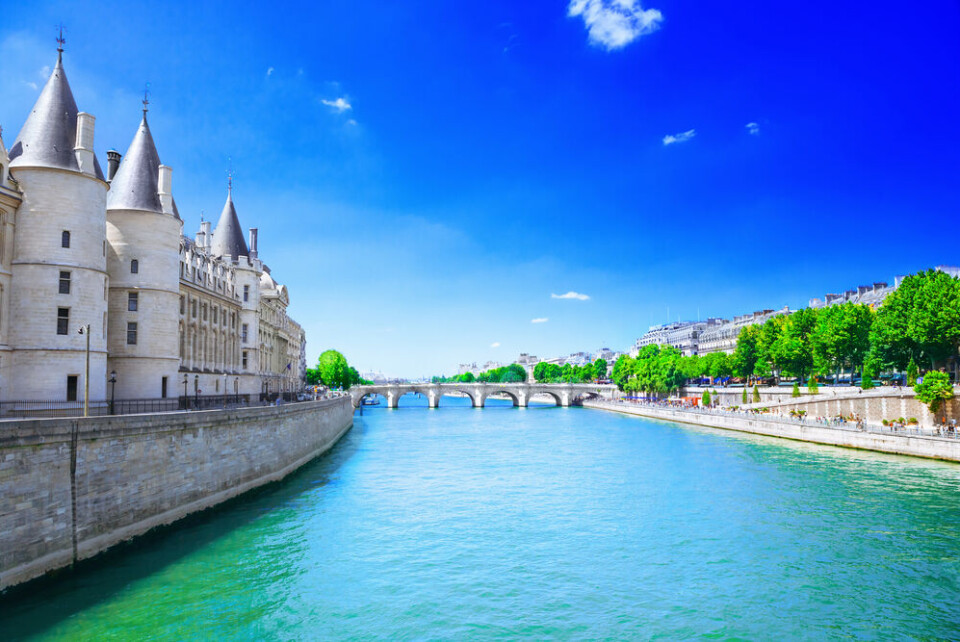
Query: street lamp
[85, 330]
[186, 399]
[113, 388]
[196, 390]
[224, 389]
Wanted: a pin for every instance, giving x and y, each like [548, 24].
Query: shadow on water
[98, 579]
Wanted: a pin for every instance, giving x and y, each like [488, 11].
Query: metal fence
[37, 409]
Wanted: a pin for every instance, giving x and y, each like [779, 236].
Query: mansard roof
[48, 137]
[228, 236]
[135, 185]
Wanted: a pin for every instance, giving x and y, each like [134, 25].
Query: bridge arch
[557, 397]
[517, 402]
[580, 397]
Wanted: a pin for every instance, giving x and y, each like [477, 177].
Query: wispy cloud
[269, 71]
[682, 137]
[570, 295]
[340, 104]
[539, 320]
[753, 128]
[614, 24]
[495, 344]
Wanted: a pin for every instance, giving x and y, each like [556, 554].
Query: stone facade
[71, 488]
[167, 314]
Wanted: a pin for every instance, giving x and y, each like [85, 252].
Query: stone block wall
[71, 488]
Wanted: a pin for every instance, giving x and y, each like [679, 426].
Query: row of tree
[333, 371]
[568, 373]
[514, 373]
[918, 323]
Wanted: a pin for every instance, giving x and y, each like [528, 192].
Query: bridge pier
[433, 399]
[522, 400]
[565, 400]
[393, 400]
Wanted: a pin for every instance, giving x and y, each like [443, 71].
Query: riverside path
[564, 394]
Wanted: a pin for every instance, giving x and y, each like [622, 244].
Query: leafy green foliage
[796, 389]
[756, 394]
[934, 389]
[332, 370]
[745, 399]
[705, 400]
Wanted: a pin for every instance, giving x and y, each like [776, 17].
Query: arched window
[65, 239]
[134, 266]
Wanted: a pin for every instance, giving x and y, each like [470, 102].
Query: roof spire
[229, 177]
[146, 99]
[60, 41]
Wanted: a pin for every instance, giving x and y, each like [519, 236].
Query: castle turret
[58, 275]
[143, 235]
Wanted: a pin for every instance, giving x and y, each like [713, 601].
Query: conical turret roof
[135, 185]
[228, 235]
[50, 133]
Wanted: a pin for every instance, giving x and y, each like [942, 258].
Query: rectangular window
[65, 239]
[72, 387]
[193, 308]
[204, 311]
[131, 334]
[246, 293]
[215, 310]
[244, 359]
[134, 266]
[163, 387]
[64, 282]
[132, 300]
[183, 304]
[243, 332]
[63, 320]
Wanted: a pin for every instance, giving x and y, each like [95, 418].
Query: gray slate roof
[228, 235]
[135, 185]
[50, 133]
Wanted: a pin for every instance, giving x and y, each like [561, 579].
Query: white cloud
[495, 344]
[340, 104]
[32, 85]
[539, 320]
[682, 137]
[614, 24]
[570, 295]
[753, 128]
[269, 71]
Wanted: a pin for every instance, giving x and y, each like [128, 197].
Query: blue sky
[427, 175]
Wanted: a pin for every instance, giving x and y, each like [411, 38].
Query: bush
[867, 382]
[912, 372]
[912, 421]
[796, 389]
[812, 387]
[745, 401]
[756, 394]
[886, 423]
[901, 420]
[705, 401]
[934, 389]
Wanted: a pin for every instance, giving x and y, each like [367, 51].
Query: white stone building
[167, 314]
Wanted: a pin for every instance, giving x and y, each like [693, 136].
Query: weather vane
[60, 38]
[146, 97]
[229, 174]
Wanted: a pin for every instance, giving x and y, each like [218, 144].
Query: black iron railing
[35, 409]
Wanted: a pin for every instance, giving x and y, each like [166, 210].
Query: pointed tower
[58, 271]
[10, 199]
[143, 244]
[229, 246]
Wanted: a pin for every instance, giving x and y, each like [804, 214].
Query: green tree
[812, 387]
[622, 370]
[744, 357]
[912, 373]
[866, 383]
[792, 349]
[934, 389]
[796, 389]
[841, 338]
[600, 369]
[705, 401]
[744, 394]
[756, 394]
[333, 370]
[467, 377]
[767, 336]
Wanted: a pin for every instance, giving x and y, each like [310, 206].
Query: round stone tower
[143, 244]
[58, 272]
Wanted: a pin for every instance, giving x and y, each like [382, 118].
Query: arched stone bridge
[564, 394]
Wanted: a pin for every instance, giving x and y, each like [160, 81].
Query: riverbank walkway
[931, 443]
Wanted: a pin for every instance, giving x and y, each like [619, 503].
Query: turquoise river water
[538, 523]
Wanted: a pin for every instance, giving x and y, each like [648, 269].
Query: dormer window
[134, 266]
[65, 239]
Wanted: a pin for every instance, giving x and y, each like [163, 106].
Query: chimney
[253, 242]
[163, 189]
[200, 234]
[861, 289]
[207, 235]
[84, 146]
[113, 163]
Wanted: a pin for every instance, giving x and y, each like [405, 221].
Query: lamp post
[236, 390]
[196, 391]
[186, 399]
[224, 389]
[113, 389]
[85, 330]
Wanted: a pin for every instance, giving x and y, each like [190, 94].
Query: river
[541, 523]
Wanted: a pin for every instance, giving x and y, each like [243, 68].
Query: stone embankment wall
[915, 445]
[71, 488]
[871, 405]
